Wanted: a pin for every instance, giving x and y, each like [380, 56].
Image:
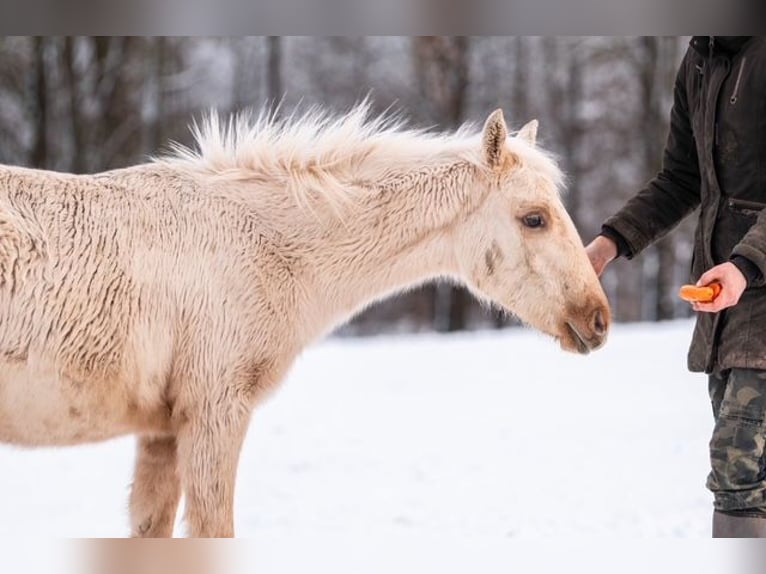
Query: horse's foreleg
[208, 453]
[156, 488]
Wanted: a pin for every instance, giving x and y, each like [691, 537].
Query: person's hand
[601, 252]
[732, 282]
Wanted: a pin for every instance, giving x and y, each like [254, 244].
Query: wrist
[749, 270]
[607, 247]
[621, 245]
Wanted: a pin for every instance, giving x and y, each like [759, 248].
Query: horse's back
[130, 276]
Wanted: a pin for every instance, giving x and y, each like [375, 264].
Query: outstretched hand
[732, 282]
[601, 251]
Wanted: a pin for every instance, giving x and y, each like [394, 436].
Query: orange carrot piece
[704, 294]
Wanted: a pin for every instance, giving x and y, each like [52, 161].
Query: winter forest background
[86, 104]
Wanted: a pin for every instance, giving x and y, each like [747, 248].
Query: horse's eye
[534, 220]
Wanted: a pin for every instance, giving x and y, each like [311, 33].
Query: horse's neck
[402, 235]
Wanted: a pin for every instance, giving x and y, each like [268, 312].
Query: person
[715, 160]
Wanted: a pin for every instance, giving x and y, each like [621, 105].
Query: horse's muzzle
[586, 332]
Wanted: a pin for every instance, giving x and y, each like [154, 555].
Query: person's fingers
[711, 276]
[598, 262]
[732, 284]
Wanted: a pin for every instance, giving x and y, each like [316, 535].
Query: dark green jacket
[715, 159]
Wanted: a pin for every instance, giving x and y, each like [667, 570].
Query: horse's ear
[529, 132]
[493, 140]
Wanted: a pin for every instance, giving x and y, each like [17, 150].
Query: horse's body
[165, 299]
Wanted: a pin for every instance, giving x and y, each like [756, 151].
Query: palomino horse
[165, 300]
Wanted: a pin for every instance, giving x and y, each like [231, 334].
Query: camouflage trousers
[738, 445]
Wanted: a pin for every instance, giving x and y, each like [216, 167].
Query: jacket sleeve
[675, 192]
[753, 248]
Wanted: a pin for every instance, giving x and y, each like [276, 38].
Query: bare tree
[274, 69]
[155, 90]
[76, 118]
[39, 155]
[520, 90]
[565, 89]
[520, 109]
[655, 62]
[441, 66]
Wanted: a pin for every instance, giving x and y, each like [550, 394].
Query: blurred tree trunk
[441, 65]
[274, 70]
[157, 56]
[442, 70]
[76, 117]
[520, 100]
[572, 132]
[656, 65]
[122, 118]
[565, 94]
[39, 154]
[519, 113]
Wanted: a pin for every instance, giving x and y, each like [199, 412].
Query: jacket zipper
[735, 93]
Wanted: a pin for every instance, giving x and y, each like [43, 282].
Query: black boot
[738, 525]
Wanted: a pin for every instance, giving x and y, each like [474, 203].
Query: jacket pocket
[744, 206]
[735, 219]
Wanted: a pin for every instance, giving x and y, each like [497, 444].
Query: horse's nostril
[599, 324]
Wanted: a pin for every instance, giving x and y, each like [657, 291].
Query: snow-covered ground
[481, 437]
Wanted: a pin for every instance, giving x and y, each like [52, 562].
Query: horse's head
[520, 248]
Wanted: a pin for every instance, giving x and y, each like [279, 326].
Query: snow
[477, 438]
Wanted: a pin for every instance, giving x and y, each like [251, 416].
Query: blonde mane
[321, 155]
